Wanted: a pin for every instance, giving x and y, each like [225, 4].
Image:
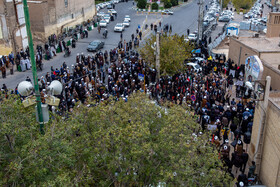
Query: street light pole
[34, 71]
[157, 56]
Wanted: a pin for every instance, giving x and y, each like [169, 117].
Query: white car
[107, 19]
[192, 37]
[168, 12]
[127, 17]
[100, 14]
[195, 67]
[112, 11]
[103, 23]
[119, 27]
[126, 23]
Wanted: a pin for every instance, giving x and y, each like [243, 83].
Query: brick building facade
[13, 34]
[49, 17]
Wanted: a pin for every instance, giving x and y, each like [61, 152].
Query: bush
[154, 6]
[141, 4]
[167, 5]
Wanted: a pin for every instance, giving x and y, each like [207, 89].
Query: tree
[154, 6]
[167, 4]
[173, 51]
[134, 143]
[141, 4]
[174, 2]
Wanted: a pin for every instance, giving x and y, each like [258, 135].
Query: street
[185, 17]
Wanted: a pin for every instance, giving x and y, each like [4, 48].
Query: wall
[11, 30]
[234, 51]
[270, 165]
[270, 58]
[273, 25]
[38, 17]
[57, 16]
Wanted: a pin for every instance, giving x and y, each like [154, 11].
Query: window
[276, 19]
[66, 3]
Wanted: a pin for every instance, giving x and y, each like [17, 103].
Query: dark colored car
[95, 45]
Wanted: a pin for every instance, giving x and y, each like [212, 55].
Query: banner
[253, 69]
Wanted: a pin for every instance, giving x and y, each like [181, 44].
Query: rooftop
[261, 44]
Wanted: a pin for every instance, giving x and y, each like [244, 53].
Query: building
[49, 17]
[13, 34]
[269, 166]
[273, 25]
[266, 47]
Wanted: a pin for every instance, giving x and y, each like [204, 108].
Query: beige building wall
[274, 74]
[58, 15]
[11, 31]
[238, 52]
[273, 25]
[270, 165]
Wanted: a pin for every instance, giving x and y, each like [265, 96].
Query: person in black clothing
[245, 158]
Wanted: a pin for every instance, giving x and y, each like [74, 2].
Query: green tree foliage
[141, 4]
[173, 51]
[154, 6]
[225, 3]
[134, 143]
[167, 4]
[244, 4]
[174, 2]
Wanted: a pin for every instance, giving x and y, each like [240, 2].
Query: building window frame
[66, 3]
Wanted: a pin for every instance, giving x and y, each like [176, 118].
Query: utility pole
[33, 63]
[200, 21]
[262, 127]
[157, 56]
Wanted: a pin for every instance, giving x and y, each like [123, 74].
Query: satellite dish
[55, 87]
[25, 88]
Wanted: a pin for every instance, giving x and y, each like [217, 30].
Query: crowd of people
[210, 94]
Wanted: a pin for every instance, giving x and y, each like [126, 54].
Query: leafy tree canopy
[173, 51]
[134, 143]
[141, 4]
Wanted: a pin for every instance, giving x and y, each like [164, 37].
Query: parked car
[103, 23]
[119, 27]
[127, 17]
[192, 37]
[126, 23]
[168, 12]
[95, 45]
[224, 18]
[112, 11]
[100, 14]
[109, 6]
[107, 19]
[115, 1]
[194, 66]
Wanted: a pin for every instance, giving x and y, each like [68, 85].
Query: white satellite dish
[25, 88]
[55, 87]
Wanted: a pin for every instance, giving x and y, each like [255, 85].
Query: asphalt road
[185, 17]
